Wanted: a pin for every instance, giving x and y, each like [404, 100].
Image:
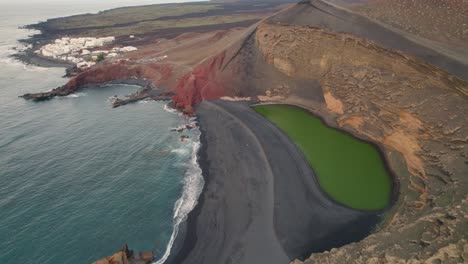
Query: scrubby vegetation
[151, 26]
[100, 57]
[126, 15]
[149, 19]
[442, 21]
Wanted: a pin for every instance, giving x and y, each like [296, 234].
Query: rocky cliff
[416, 111]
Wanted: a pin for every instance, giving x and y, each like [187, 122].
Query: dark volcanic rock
[145, 93]
[127, 256]
[47, 95]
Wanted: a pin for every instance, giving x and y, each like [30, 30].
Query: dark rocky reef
[127, 256]
[143, 94]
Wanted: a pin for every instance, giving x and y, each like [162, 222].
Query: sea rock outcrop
[147, 92]
[126, 256]
[156, 74]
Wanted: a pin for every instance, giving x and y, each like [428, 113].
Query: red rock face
[101, 74]
[200, 84]
[159, 74]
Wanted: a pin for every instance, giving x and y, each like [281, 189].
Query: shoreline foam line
[193, 186]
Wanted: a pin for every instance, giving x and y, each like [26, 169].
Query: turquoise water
[80, 179]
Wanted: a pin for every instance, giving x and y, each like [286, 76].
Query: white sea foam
[7, 60]
[193, 185]
[171, 110]
[181, 165]
[12, 62]
[74, 95]
[180, 151]
[145, 101]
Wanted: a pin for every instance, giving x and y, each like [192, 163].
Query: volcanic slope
[323, 15]
[440, 24]
[409, 99]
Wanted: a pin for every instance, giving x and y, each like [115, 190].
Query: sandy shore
[261, 202]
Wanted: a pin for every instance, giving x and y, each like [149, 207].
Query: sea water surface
[78, 178]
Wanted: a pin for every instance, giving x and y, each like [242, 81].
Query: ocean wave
[181, 165]
[33, 68]
[193, 185]
[180, 151]
[12, 62]
[7, 60]
[145, 101]
[74, 95]
[171, 109]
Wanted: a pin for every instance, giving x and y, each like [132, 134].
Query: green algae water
[351, 171]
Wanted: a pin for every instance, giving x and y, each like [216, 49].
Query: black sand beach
[261, 202]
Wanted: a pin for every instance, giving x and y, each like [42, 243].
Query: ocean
[78, 178]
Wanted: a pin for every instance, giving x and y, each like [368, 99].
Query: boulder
[126, 256]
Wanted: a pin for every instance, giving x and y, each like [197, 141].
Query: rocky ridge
[414, 110]
[378, 97]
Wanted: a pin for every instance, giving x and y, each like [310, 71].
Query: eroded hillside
[443, 22]
[411, 108]
[414, 110]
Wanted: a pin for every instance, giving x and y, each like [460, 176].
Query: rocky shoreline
[127, 256]
[145, 93]
[67, 90]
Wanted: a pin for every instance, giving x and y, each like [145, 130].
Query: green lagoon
[349, 170]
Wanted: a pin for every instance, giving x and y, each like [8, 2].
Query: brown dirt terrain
[439, 23]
